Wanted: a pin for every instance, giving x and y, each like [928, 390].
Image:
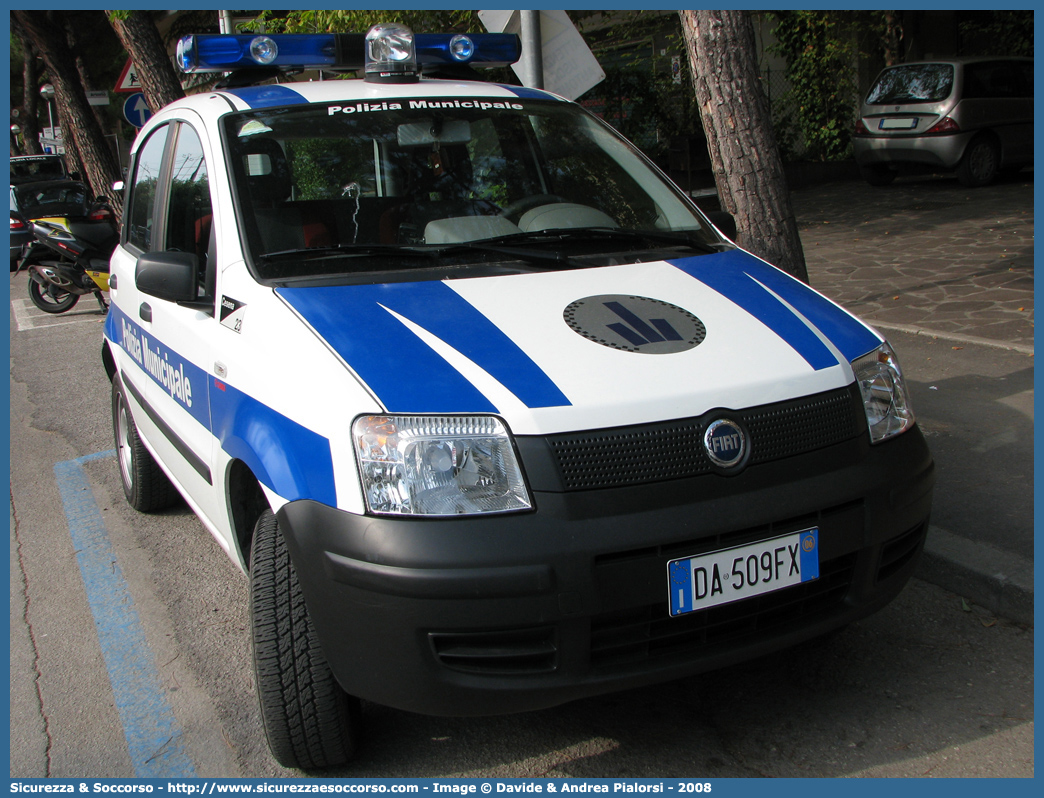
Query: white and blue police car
[490, 413]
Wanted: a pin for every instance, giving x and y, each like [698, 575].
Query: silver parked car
[969, 115]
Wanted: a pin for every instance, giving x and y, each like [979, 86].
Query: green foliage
[647, 107]
[820, 54]
[357, 21]
[639, 96]
[997, 33]
[320, 166]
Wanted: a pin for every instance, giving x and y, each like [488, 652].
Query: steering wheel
[514, 210]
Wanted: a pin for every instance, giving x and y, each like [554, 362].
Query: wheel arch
[246, 503]
[108, 360]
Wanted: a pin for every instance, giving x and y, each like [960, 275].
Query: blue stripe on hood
[403, 371]
[737, 274]
[268, 96]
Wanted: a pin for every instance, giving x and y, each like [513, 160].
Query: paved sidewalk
[946, 273]
[926, 253]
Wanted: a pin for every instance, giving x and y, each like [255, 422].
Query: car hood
[590, 348]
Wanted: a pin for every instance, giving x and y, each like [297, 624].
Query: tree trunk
[737, 121]
[26, 115]
[79, 123]
[892, 37]
[155, 72]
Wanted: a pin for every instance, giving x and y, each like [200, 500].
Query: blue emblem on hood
[726, 443]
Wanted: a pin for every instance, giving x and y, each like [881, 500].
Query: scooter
[68, 259]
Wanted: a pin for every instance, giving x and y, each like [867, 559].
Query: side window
[189, 213]
[991, 80]
[140, 218]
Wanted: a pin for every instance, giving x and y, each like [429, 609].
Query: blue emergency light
[387, 50]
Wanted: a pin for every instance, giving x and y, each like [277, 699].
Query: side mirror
[167, 275]
[724, 221]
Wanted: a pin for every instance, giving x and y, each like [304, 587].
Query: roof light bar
[342, 51]
[476, 49]
[227, 52]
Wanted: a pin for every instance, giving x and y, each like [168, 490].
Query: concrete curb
[912, 329]
[998, 580]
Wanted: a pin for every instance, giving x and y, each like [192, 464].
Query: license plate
[696, 583]
[897, 124]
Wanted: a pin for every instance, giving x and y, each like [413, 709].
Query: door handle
[145, 311]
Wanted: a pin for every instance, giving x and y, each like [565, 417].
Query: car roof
[964, 60]
[40, 157]
[354, 90]
[39, 185]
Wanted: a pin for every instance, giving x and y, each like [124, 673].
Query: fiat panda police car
[491, 414]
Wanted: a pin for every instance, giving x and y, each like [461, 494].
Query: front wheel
[310, 722]
[50, 298]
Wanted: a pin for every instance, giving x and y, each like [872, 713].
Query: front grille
[672, 450]
[509, 652]
[648, 632]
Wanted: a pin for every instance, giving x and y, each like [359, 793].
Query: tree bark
[25, 116]
[79, 125]
[737, 121]
[141, 39]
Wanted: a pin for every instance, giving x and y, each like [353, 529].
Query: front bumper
[943, 151]
[491, 615]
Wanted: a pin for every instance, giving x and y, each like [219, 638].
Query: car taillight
[860, 128]
[100, 215]
[17, 225]
[944, 125]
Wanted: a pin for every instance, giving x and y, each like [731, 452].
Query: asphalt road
[930, 686]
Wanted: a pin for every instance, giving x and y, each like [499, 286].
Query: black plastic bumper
[498, 614]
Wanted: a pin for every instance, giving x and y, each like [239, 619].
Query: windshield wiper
[343, 250]
[677, 238]
[428, 252]
[506, 246]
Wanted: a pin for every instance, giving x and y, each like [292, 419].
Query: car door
[170, 209]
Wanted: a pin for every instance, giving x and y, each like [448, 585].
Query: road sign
[128, 80]
[569, 67]
[98, 97]
[136, 110]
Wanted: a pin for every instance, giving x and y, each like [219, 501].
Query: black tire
[879, 175]
[145, 485]
[51, 299]
[310, 722]
[980, 164]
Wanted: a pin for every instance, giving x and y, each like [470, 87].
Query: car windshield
[912, 83]
[324, 189]
[26, 170]
[51, 199]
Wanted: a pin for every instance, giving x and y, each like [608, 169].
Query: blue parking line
[154, 738]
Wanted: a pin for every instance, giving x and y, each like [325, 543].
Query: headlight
[438, 465]
[885, 398]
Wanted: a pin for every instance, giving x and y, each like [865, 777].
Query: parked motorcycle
[68, 258]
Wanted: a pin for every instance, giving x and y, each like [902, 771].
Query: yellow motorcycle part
[101, 279]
